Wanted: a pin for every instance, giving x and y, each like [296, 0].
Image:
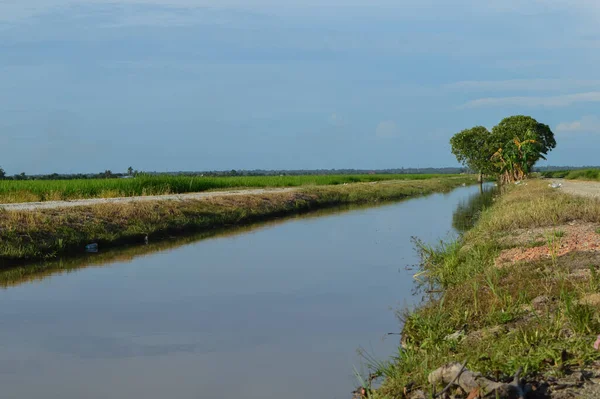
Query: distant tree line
[107, 174]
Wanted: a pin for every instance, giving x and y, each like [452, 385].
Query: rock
[417, 395]
[456, 374]
[456, 336]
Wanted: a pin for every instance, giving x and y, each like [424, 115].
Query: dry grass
[536, 205]
[46, 233]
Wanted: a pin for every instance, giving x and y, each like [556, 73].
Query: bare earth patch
[542, 243]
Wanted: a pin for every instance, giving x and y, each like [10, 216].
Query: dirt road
[576, 187]
[28, 206]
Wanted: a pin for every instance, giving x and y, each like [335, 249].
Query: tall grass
[45, 190]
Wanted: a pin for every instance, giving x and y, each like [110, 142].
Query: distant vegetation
[584, 174]
[45, 190]
[509, 152]
[108, 174]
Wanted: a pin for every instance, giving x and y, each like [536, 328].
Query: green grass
[506, 325]
[27, 235]
[43, 190]
[584, 174]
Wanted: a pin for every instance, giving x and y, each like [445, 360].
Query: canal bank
[519, 291]
[27, 235]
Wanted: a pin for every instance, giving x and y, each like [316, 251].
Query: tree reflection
[468, 211]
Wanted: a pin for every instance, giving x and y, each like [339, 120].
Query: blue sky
[287, 84]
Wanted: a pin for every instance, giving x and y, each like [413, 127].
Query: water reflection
[37, 271]
[468, 210]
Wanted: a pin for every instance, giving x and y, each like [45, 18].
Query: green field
[584, 174]
[12, 191]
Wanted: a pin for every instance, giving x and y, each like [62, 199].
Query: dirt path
[28, 206]
[583, 188]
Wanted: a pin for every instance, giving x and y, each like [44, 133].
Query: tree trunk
[480, 178]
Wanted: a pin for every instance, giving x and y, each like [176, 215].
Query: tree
[2, 174]
[509, 152]
[471, 148]
[130, 171]
[514, 159]
[21, 176]
[524, 128]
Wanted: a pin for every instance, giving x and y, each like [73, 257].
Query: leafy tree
[514, 158]
[21, 176]
[130, 171]
[2, 174]
[471, 148]
[510, 151]
[524, 128]
[107, 174]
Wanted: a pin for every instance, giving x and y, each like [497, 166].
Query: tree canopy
[509, 151]
[470, 148]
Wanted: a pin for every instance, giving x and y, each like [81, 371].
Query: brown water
[277, 311]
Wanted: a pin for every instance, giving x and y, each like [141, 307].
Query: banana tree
[515, 160]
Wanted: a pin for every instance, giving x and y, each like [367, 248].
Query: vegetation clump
[508, 152]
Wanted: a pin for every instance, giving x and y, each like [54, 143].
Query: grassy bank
[12, 191]
[28, 235]
[521, 289]
[42, 269]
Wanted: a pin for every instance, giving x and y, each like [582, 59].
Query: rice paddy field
[14, 191]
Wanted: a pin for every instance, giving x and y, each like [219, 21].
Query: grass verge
[539, 310]
[43, 234]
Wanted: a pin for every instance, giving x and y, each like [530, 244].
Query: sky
[169, 85]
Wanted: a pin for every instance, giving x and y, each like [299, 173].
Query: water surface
[272, 312]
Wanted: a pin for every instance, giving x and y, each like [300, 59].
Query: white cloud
[387, 130]
[524, 101]
[522, 84]
[587, 124]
